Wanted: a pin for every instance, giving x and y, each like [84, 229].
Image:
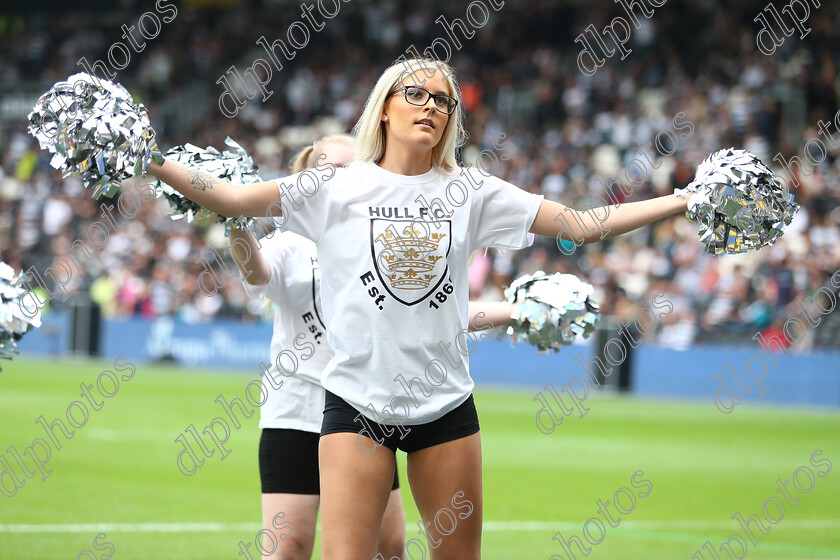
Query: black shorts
[289, 462]
[340, 417]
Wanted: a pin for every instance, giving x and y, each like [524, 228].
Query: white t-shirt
[298, 344]
[394, 252]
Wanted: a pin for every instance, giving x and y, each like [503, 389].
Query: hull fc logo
[410, 256]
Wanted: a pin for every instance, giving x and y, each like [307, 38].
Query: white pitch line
[653, 525]
[132, 528]
[489, 526]
[793, 524]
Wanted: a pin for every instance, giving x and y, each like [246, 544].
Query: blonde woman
[283, 268]
[389, 316]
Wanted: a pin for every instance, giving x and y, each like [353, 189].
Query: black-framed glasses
[419, 96]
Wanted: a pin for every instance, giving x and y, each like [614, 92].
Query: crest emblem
[410, 256]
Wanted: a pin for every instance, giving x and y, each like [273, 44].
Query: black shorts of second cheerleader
[289, 462]
[341, 417]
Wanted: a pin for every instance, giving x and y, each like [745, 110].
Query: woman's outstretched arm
[246, 254]
[217, 195]
[600, 223]
[495, 312]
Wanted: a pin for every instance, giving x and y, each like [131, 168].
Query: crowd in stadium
[564, 133]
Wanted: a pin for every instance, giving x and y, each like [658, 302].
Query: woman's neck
[406, 162]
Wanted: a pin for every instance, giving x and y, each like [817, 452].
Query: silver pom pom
[739, 202]
[94, 129]
[233, 165]
[14, 323]
[551, 310]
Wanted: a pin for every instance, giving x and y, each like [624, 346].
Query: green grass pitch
[119, 472]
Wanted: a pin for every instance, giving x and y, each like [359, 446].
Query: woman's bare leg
[355, 488]
[291, 519]
[446, 483]
[392, 534]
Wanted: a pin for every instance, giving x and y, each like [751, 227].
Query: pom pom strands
[551, 310]
[739, 203]
[95, 130]
[233, 165]
[14, 322]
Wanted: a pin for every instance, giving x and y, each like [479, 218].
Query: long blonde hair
[370, 130]
[305, 159]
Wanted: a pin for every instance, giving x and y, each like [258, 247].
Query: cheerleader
[394, 231]
[283, 268]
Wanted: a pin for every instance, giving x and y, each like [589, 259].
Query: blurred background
[519, 76]
[566, 131]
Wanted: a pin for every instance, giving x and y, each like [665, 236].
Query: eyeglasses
[420, 96]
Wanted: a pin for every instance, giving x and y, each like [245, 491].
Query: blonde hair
[370, 130]
[305, 159]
